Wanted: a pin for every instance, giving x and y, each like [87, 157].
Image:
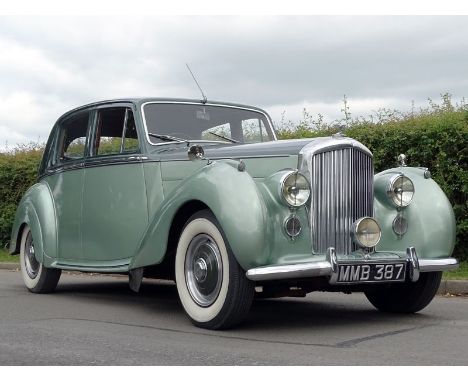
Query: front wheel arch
[232, 195]
[181, 217]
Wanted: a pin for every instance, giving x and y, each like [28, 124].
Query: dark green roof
[141, 100]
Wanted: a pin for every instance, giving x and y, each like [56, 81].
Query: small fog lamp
[293, 227]
[400, 225]
[366, 232]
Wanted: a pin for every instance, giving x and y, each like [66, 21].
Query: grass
[6, 258]
[459, 274]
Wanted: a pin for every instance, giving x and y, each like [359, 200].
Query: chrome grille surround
[341, 175]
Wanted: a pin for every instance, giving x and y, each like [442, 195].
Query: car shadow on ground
[318, 311]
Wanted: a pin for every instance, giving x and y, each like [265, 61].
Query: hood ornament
[402, 160]
[340, 133]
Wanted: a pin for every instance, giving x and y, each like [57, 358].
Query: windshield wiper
[167, 138]
[223, 137]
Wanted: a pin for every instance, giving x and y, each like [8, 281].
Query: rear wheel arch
[29, 218]
[36, 276]
[37, 210]
[17, 244]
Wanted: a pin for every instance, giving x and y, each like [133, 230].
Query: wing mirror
[196, 152]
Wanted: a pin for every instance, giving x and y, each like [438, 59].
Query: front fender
[235, 200]
[37, 210]
[431, 221]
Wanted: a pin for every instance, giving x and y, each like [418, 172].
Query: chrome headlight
[295, 189]
[366, 232]
[400, 190]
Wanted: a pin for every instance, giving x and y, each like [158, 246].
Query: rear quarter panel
[37, 210]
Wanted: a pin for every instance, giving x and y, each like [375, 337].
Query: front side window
[115, 132]
[72, 138]
[206, 123]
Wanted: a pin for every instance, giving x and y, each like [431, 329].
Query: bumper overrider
[331, 265]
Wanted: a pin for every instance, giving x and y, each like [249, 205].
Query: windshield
[166, 122]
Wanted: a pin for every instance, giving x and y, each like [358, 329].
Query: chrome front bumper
[329, 268]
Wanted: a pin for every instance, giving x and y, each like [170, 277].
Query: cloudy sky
[49, 65]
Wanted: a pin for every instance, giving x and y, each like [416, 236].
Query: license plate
[374, 273]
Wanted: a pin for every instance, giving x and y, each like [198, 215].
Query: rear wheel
[408, 297]
[36, 277]
[211, 284]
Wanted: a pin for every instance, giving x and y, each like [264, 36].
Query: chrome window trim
[142, 109]
[124, 131]
[92, 144]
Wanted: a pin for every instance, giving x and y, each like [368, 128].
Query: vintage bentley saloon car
[203, 193]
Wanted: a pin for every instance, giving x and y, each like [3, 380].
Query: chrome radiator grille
[341, 192]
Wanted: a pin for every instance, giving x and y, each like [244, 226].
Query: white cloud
[25, 118]
[49, 65]
[26, 62]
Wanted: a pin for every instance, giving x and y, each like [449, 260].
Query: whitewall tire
[36, 277]
[212, 286]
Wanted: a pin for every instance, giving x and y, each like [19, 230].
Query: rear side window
[72, 138]
[115, 132]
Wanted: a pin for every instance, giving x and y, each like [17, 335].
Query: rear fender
[37, 210]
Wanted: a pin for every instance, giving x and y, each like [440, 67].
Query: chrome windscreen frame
[142, 109]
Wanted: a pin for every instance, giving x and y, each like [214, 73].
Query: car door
[114, 212]
[65, 175]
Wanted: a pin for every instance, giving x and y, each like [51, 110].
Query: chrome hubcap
[30, 263]
[200, 270]
[203, 270]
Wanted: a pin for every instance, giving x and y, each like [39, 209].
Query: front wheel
[212, 286]
[408, 297]
[36, 277]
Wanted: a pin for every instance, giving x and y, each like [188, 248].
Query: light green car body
[115, 218]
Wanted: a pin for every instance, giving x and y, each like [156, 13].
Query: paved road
[96, 320]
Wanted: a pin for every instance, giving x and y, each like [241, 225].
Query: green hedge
[436, 138]
[18, 171]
